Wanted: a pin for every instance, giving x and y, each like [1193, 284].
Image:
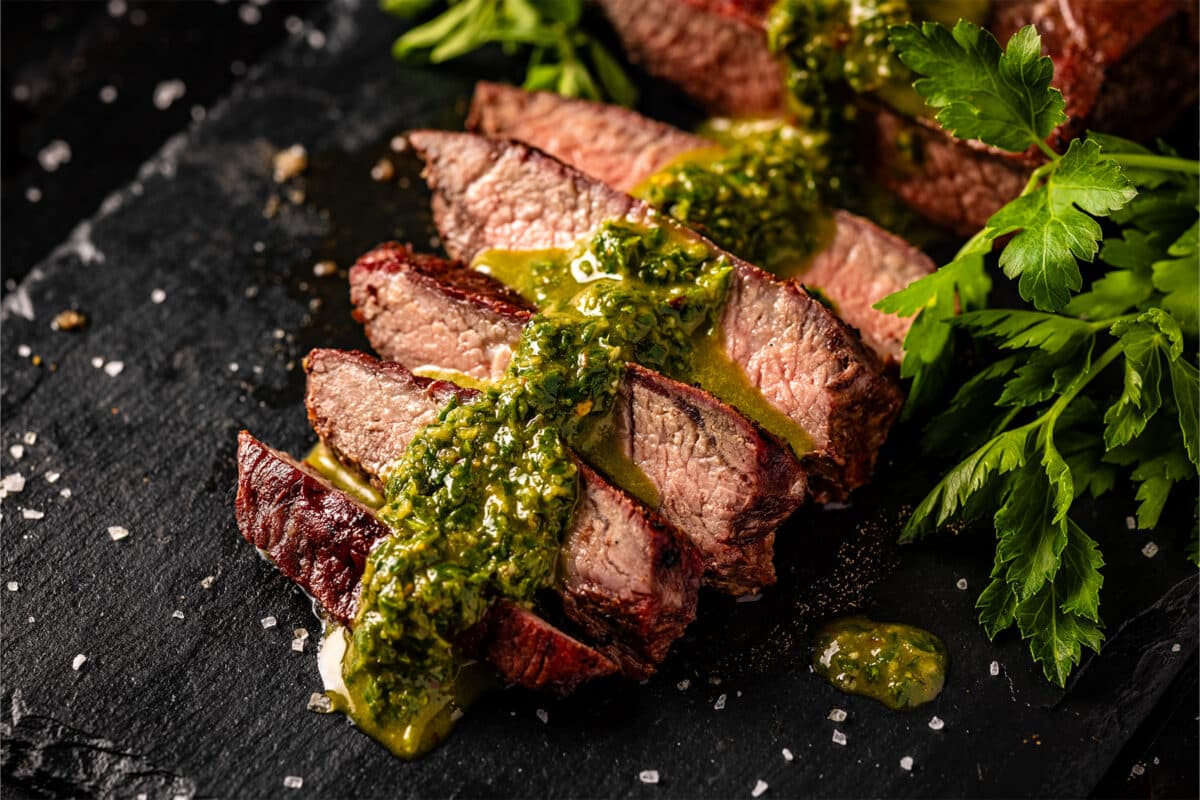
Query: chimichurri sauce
[482, 496]
[898, 665]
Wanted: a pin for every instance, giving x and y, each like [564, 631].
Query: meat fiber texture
[807, 363]
[720, 479]
[319, 538]
[1126, 67]
[861, 264]
[626, 577]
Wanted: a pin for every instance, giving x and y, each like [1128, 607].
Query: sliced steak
[807, 363]
[721, 480]
[626, 577]
[861, 265]
[319, 538]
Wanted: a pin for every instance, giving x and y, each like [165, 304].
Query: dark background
[56, 58]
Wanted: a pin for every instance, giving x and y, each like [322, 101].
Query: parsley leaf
[1056, 636]
[1000, 98]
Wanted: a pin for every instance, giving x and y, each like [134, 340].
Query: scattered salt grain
[158, 296]
[316, 39]
[906, 763]
[290, 162]
[24, 351]
[31, 513]
[936, 723]
[117, 8]
[289, 781]
[117, 533]
[97, 362]
[13, 482]
[278, 333]
[787, 755]
[207, 582]
[33, 194]
[383, 170]
[167, 92]
[78, 662]
[250, 15]
[962, 584]
[648, 776]
[1131, 523]
[52, 477]
[65, 494]
[720, 704]
[298, 645]
[839, 738]
[1175, 648]
[715, 680]
[323, 269]
[16, 451]
[399, 144]
[683, 685]
[750, 598]
[543, 716]
[198, 113]
[994, 668]
[268, 622]
[320, 703]
[108, 95]
[114, 368]
[54, 155]
[760, 786]
[177, 614]
[233, 366]
[30, 438]
[1138, 769]
[837, 715]
[258, 247]
[300, 633]
[293, 25]
[12, 586]
[1150, 550]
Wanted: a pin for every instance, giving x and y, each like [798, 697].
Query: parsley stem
[1081, 381]
[1149, 161]
[1048, 150]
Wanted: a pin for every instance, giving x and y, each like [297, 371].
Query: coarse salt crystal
[158, 296]
[1150, 550]
[289, 781]
[837, 715]
[936, 723]
[233, 366]
[906, 763]
[787, 755]
[64, 493]
[167, 92]
[1138, 769]
[648, 776]
[24, 351]
[683, 685]
[249, 14]
[320, 703]
[293, 25]
[1131, 523]
[117, 533]
[31, 513]
[108, 94]
[994, 669]
[30, 438]
[54, 155]
[1175, 648]
[97, 362]
[17, 451]
[177, 614]
[316, 39]
[33, 194]
[12, 586]
[300, 633]
[52, 477]
[720, 704]
[839, 738]
[750, 598]
[298, 645]
[13, 482]
[207, 582]
[268, 622]
[323, 269]
[543, 716]
[961, 584]
[760, 786]
[715, 680]
[289, 163]
[78, 662]
[113, 368]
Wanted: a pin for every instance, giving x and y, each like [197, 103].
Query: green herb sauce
[755, 196]
[898, 665]
[482, 495]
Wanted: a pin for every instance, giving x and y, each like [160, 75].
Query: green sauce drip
[482, 496]
[341, 476]
[756, 196]
[898, 665]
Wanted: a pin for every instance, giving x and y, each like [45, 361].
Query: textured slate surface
[214, 705]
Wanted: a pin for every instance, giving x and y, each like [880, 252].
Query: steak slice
[626, 577]
[861, 265]
[319, 538]
[720, 480]
[807, 363]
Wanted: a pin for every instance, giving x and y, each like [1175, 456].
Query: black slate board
[214, 705]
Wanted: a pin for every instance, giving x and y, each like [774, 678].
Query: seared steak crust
[861, 264]
[319, 538]
[722, 481]
[806, 362]
[627, 577]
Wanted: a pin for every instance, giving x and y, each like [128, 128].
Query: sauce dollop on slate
[899, 665]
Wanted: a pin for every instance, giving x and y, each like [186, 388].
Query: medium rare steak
[861, 265]
[807, 363]
[1126, 67]
[720, 479]
[626, 577]
[319, 537]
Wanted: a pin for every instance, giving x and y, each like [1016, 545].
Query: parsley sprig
[1086, 387]
[563, 57]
